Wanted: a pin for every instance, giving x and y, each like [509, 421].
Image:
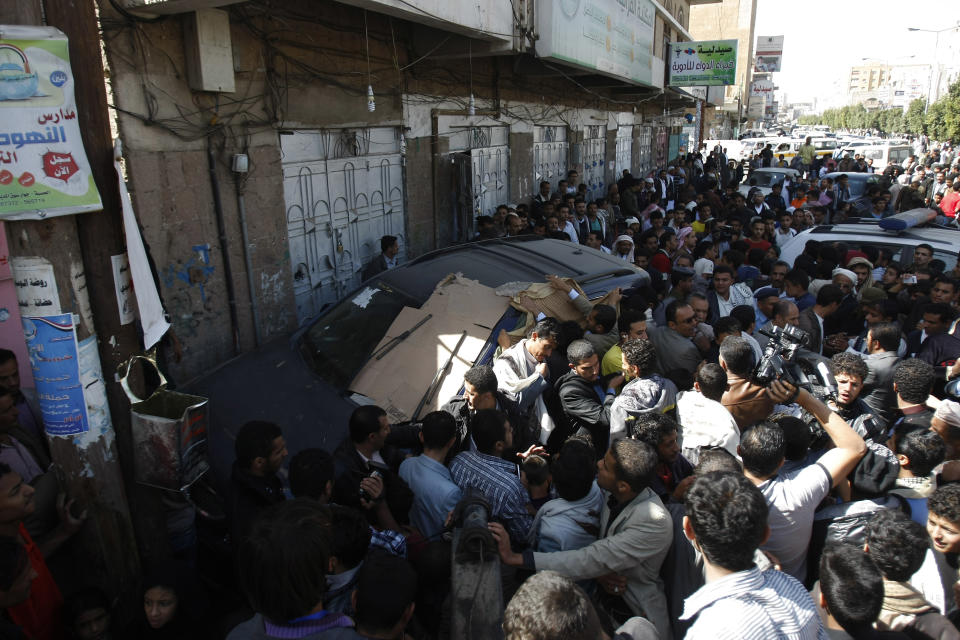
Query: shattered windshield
[338, 344]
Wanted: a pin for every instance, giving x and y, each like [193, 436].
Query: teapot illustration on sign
[17, 82]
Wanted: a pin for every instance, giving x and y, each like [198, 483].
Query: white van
[884, 154]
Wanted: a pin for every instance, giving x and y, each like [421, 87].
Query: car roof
[854, 176]
[774, 170]
[869, 229]
[497, 261]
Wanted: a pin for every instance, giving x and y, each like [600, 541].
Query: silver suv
[944, 240]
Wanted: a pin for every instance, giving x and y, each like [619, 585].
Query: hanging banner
[54, 358]
[153, 319]
[769, 54]
[700, 64]
[43, 168]
[761, 88]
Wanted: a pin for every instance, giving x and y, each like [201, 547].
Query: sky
[824, 38]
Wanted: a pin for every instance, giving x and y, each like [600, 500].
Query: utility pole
[78, 247]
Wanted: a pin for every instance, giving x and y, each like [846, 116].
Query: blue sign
[58, 78]
[52, 345]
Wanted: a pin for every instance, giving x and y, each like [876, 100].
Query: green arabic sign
[700, 64]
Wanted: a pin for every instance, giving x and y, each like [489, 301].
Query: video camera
[780, 361]
[779, 357]
[471, 516]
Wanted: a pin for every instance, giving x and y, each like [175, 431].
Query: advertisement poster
[762, 88]
[609, 36]
[94, 388]
[769, 54]
[123, 285]
[54, 358]
[43, 167]
[36, 286]
[703, 64]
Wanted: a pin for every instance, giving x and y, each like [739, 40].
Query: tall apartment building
[867, 77]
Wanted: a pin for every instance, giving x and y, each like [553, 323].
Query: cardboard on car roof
[398, 381]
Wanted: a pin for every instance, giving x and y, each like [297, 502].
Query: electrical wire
[427, 54]
[230, 117]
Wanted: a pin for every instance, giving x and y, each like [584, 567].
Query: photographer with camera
[364, 463]
[747, 401]
[794, 495]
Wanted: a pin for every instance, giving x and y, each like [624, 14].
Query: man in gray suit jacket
[811, 319]
[883, 340]
[636, 532]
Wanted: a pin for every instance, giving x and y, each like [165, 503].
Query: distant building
[730, 19]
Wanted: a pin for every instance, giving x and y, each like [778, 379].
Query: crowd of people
[646, 471]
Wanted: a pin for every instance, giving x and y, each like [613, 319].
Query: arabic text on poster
[43, 167]
[54, 358]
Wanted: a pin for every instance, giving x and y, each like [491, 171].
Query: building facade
[278, 143]
[733, 20]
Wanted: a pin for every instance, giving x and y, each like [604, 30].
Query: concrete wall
[307, 71]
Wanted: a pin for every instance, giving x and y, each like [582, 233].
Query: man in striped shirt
[727, 521]
[485, 470]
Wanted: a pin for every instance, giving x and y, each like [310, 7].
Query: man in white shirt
[727, 521]
[522, 373]
[704, 421]
[785, 232]
[567, 219]
[794, 495]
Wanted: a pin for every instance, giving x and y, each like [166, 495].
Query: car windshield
[857, 187]
[899, 154]
[337, 345]
[766, 178]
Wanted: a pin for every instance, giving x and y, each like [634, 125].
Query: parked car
[884, 154]
[764, 179]
[899, 245]
[301, 382]
[857, 182]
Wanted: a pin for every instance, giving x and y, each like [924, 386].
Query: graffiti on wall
[188, 280]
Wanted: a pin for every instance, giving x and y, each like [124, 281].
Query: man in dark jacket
[586, 402]
[389, 248]
[883, 340]
[364, 454]
[480, 392]
[260, 450]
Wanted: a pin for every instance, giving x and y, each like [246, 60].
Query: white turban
[846, 273]
[949, 412]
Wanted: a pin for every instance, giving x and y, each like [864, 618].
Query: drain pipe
[247, 260]
[225, 254]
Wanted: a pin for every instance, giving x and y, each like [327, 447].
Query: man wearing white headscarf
[623, 248]
[703, 274]
[845, 319]
[946, 422]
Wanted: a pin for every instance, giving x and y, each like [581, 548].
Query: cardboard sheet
[542, 297]
[399, 380]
